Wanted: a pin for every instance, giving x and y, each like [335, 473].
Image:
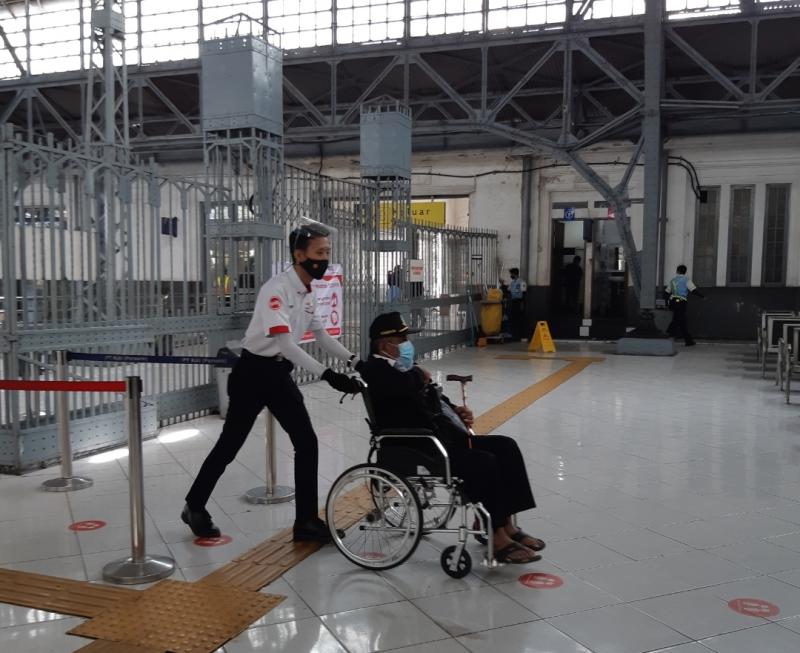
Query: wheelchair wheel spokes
[438, 504]
[387, 503]
[386, 529]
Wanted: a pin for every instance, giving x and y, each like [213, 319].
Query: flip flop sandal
[521, 535]
[506, 555]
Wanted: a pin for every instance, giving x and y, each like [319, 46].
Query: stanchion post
[271, 492]
[140, 567]
[66, 482]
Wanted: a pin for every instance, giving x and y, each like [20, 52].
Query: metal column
[651, 130]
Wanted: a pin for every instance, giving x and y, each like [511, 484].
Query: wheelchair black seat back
[405, 490]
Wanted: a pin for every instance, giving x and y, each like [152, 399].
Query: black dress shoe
[313, 530]
[200, 522]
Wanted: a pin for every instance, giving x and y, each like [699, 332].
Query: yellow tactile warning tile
[274, 557]
[180, 617]
[59, 594]
[491, 419]
[101, 646]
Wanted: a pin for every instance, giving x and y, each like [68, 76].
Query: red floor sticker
[540, 581]
[754, 607]
[88, 525]
[213, 541]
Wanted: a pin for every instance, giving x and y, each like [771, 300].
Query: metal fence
[112, 257]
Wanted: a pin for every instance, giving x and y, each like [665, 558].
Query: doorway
[567, 265]
[589, 280]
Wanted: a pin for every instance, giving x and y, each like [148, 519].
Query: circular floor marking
[88, 525]
[213, 541]
[754, 607]
[540, 581]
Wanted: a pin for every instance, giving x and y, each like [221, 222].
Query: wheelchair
[378, 511]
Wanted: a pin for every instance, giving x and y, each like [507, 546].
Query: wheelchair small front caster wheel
[453, 568]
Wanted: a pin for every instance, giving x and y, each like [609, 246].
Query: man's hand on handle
[342, 382]
[465, 414]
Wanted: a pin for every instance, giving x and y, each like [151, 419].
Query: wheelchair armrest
[402, 432]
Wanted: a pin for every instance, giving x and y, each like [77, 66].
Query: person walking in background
[573, 273]
[678, 291]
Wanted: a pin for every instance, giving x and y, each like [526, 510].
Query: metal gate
[172, 267]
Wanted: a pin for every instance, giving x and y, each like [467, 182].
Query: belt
[277, 358]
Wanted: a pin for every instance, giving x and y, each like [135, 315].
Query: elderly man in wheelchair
[425, 466]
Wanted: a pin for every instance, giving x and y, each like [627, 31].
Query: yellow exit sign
[431, 213]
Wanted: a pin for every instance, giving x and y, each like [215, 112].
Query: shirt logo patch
[275, 303]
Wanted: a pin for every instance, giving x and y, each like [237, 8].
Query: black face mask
[315, 267]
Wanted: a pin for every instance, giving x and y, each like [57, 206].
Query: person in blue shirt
[516, 295]
[678, 291]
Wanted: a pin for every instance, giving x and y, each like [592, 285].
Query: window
[740, 235]
[704, 262]
[302, 23]
[776, 230]
[369, 21]
[432, 17]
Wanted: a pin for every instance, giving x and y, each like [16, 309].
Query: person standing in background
[516, 293]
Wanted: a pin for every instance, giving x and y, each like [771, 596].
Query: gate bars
[182, 261]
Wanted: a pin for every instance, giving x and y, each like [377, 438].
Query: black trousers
[256, 382]
[494, 473]
[678, 326]
[517, 318]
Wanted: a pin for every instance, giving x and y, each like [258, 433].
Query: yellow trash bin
[492, 312]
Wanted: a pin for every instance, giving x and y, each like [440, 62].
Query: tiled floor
[667, 488]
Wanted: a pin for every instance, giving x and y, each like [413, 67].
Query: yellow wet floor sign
[542, 340]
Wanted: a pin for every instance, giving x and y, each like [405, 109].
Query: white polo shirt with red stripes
[284, 305]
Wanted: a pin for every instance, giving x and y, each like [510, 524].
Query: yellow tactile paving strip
[180, 617]
[60, 595]
[101, 646]
[272, 558]
[494, 417]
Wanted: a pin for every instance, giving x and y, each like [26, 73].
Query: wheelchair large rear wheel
[435, 499]
[358, 505]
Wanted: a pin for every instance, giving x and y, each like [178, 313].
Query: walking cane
[463, 380]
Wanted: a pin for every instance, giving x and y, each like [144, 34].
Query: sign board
[416, 270]
[569, 214]
[542, 340]
[428, 213]
[328, 293]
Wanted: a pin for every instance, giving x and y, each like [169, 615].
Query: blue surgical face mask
[405, 358]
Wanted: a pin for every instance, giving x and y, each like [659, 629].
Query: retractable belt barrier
[139, 567]
[269, 493]
[217, 361]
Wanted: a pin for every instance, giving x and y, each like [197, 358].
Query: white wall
[725, 161]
